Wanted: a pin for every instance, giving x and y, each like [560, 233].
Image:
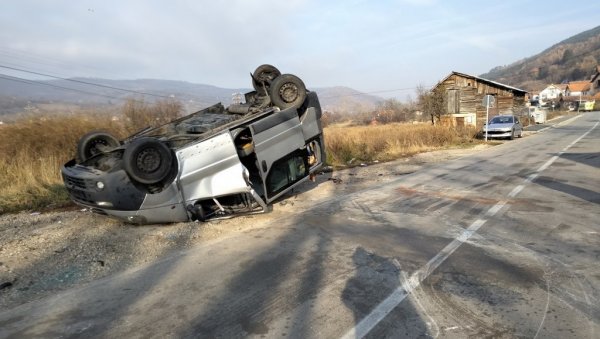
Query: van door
[276, 138]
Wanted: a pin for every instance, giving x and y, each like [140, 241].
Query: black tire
[94, 143]
[264, 74]
[287, 90]
[512, 135]
[147, 160]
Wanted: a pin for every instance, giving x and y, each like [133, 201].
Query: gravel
[43, 253]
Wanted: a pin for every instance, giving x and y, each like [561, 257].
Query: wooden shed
[465, 93]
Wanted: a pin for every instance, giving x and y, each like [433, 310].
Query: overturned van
[214, 163]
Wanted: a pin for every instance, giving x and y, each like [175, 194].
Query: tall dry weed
[33, 150]
[388, 142]
[139, 114]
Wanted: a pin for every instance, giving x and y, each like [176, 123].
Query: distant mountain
[346, 99]
[17, 95]
[572, 59]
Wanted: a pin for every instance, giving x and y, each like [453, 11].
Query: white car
[503, 126]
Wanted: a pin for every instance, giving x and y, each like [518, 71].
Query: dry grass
[32, 152]
[33, 149]
[388, 142]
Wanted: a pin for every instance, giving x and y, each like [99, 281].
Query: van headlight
[99, 185]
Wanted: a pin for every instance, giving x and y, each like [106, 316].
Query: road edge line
[372, 319]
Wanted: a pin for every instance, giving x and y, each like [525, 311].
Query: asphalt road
[539, 127]
[502, 244]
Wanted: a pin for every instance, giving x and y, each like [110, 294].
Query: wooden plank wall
[472, 92]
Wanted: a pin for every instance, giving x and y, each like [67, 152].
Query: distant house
[553, 92]
[465, 93]
[563, 88]
[579, 88]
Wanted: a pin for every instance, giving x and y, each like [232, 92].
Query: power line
[374, 92]
[34, 82]
[168, 97]
[31, 58]
[84, 82]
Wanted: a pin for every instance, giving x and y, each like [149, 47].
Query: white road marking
[559, 124]
[397, 296]
[432, 324]
[497, 207]
[516, 191]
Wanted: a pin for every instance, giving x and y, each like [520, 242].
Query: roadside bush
[139, 114]
[32, 150]
[347, 145]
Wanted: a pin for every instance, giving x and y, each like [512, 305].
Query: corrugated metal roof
[498, 84]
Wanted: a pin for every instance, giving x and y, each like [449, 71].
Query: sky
[382, 47]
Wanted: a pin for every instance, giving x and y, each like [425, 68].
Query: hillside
[345, 99]
[572, 59]
[17, 96]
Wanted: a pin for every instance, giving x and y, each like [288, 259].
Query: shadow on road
[578, 192]
[590, 159]
[375, 278]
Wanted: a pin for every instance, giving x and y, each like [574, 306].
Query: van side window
[286, 171]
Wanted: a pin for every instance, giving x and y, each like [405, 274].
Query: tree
[567, 54]
[432, 102]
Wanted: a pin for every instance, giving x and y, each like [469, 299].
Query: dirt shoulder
[43, 253]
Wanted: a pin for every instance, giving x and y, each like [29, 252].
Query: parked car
[214, 163]
[587, 105]
[503, 126]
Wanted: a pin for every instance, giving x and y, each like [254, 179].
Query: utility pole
[488, 101]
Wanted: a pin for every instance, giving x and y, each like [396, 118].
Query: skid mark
[432, 324]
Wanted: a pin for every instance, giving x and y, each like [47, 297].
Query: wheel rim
[288, 92]
[96, 146]
[148, 160]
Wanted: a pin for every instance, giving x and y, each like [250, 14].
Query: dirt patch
[42, 253]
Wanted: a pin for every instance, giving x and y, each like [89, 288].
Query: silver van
[214, 163]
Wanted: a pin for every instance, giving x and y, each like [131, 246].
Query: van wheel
[94, 143]
[264, 74]
[287, 91]
[147, 160]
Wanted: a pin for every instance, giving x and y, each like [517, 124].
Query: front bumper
[120, 198]
[498, 134]
[117, 191]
